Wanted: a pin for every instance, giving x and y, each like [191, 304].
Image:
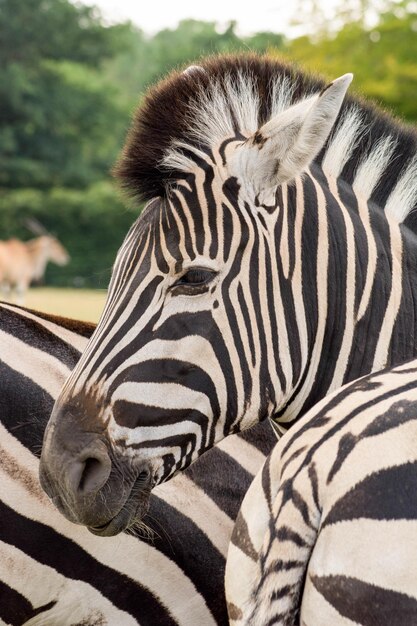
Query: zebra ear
[192, 70]
[283, 147]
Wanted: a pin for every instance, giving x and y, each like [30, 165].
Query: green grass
[81, 304]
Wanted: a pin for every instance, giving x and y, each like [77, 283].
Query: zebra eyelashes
[195, 280]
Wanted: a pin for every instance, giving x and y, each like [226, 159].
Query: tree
[382, 58]
[55, 106]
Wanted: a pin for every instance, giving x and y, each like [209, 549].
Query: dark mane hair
[175, 114]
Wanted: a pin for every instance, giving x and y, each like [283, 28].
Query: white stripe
[364, 214]
[403, 197]
[341, 547]
[343, 142]
[391, 311]
[372, 167]
[284, 245]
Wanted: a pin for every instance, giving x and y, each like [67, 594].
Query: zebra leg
[271, 545]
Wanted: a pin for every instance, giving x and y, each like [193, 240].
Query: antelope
[22, 262]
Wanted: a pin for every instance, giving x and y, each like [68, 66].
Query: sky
[154, 15]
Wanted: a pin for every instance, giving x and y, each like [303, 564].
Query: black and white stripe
[327, 532]
[255, 282]
[54, 572]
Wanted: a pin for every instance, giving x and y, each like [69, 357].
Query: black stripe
[336, 297]
[170, 371]
[261, 436]
[247, 322]
[228, 480]
[241, 537]
[284, 533]
[109, 340]
[321, 418]
[286, 293]
[367, 604]
[270, 302]
[399, 413]
[405, 330]
[368, 329]
[388, 494]
[212, 213]
[176, 202]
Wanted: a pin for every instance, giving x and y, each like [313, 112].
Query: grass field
[82, 304]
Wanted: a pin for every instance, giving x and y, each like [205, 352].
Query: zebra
[327, 532]
[53, 572]
[275, 260]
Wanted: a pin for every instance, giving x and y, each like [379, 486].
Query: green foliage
[382, 58]
[31, 30]
[56, 107]
[192, 39]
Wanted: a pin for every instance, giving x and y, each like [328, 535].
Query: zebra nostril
[87, 476]
[92, 475]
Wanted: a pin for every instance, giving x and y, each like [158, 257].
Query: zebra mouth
[133, 509]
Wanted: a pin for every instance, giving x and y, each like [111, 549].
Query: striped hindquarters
[327, 533]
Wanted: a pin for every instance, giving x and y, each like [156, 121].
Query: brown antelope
[22, 262]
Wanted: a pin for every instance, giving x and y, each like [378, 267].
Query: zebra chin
[89, 483]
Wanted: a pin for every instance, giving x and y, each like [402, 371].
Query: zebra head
[194, 342]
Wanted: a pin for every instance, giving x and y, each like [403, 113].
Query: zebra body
[274, 263]
[53, 572]
[327, 532]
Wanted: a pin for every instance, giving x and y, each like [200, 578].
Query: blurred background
[71, 75]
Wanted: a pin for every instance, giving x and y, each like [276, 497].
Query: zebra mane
[190, 112]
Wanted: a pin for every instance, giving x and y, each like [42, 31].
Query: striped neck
[358, 270]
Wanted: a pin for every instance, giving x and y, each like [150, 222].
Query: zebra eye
[194, 280]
